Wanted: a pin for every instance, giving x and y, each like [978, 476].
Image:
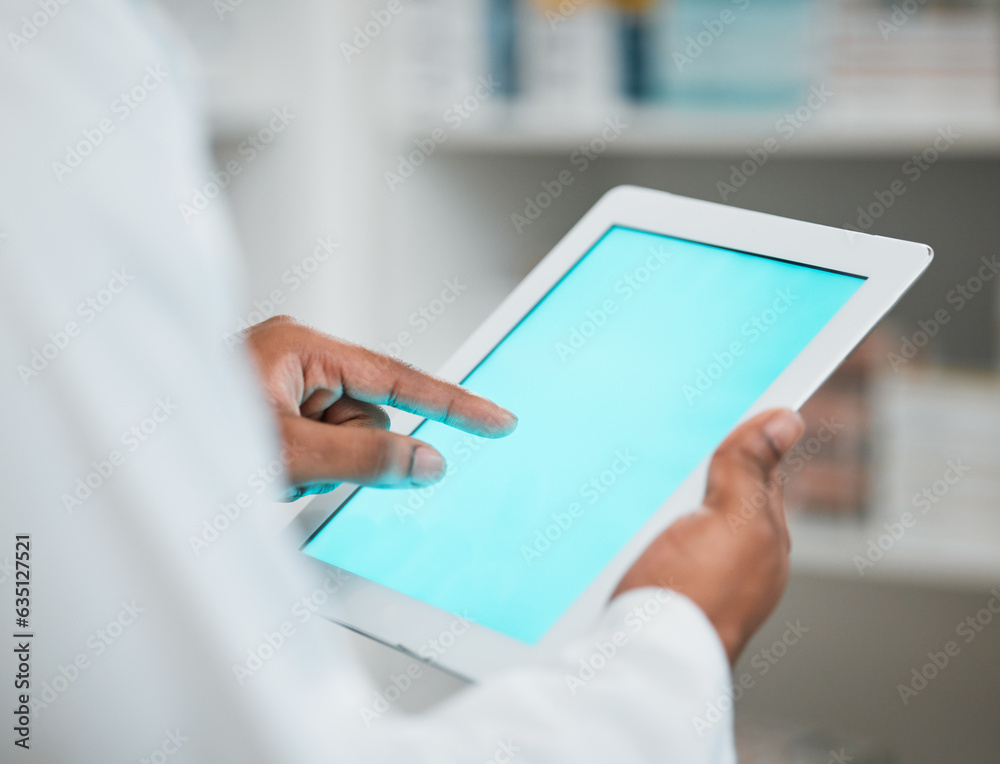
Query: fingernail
[784, 429]
[508, 422]
[428, 466]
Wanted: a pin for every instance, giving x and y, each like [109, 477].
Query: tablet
[652, 329]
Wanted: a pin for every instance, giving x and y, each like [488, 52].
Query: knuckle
[752, 452]
[273, 322]
[388, 458]
[379, 460]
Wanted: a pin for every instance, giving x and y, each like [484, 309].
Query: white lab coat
[128, 426]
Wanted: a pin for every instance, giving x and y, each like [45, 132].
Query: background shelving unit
[661, 132]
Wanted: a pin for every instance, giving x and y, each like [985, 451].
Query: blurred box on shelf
[937, 455]
[738, 54]
[917, 54]
[921, 440]
[439, 54]
[828, 470]
[570, 60]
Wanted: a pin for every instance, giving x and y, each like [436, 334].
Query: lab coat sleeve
[650, 684]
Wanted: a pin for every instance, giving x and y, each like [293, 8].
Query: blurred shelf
[826, 547]
[837, 132]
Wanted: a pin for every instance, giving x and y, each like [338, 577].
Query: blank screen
[625, 376]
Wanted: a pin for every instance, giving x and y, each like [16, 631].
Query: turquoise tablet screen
[625, 376]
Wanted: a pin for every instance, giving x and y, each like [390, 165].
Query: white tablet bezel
[890, 268]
